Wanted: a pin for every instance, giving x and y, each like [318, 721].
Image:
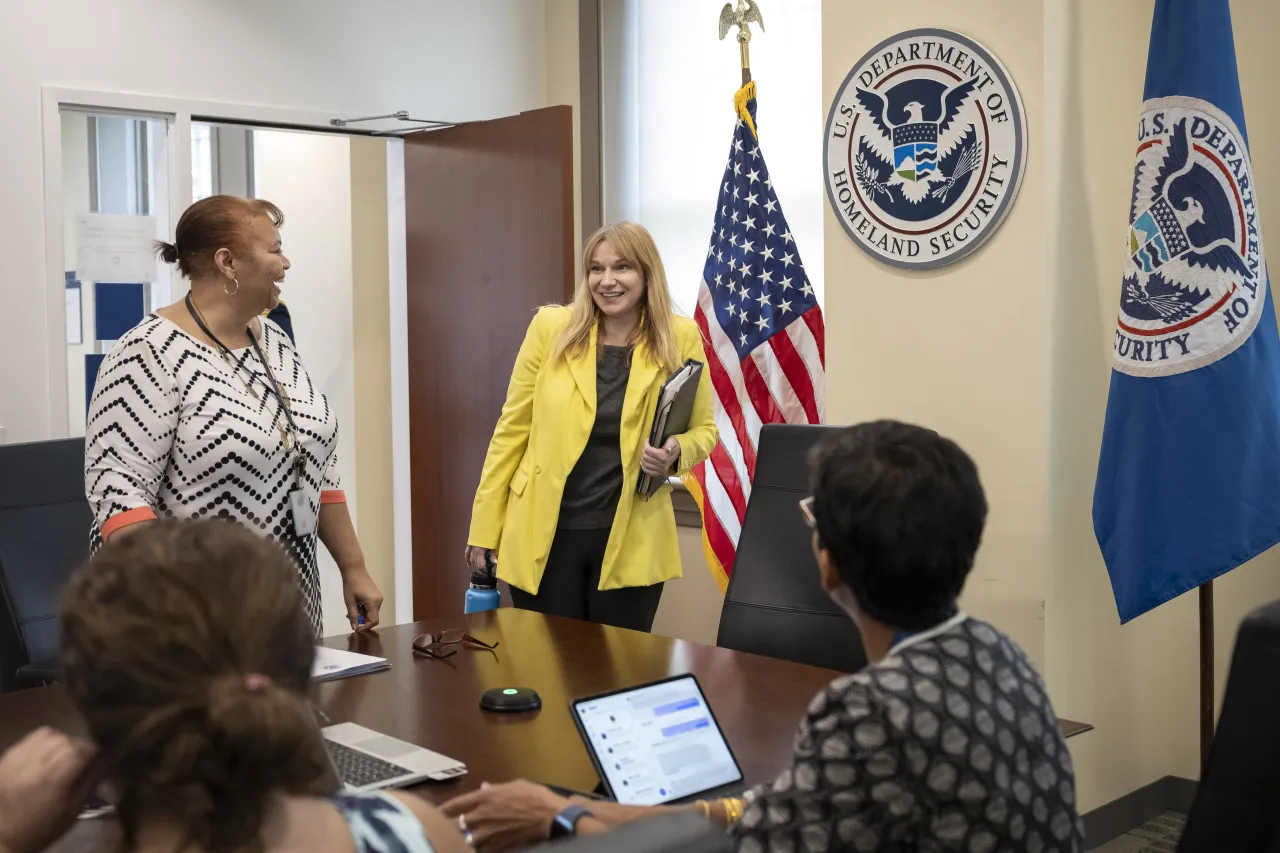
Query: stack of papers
[332, 663]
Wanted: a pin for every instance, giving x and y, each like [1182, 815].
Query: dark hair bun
[167, 252]
[213, 223]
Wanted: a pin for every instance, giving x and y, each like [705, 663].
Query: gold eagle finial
[742, 17]
[746, 13]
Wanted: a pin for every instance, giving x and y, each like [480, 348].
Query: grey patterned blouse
[948, 744]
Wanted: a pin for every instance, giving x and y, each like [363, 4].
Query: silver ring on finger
[467, 839]
[462, 824]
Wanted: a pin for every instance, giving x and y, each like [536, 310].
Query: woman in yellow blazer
[557, 501]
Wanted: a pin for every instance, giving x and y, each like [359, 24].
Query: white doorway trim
[178, 113]
[402, 497]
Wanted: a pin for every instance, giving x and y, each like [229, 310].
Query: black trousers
[570, 586]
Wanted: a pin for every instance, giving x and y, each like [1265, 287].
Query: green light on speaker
[510, 692]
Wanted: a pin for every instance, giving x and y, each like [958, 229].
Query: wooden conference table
[758, 701]
[435, 703]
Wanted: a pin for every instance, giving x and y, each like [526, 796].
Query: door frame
[179, 113]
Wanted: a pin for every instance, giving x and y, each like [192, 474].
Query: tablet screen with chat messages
[656, 743]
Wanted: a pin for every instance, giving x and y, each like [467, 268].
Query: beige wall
[690, 608]
[963, 348]
[371, 339]
[1008, 353]
[1256, 24]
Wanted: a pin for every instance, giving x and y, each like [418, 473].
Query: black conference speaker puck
[511, 700]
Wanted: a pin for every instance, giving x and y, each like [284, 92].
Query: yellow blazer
[545, 423]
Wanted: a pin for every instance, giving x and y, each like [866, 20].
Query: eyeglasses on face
[437, 645]
[806, 507]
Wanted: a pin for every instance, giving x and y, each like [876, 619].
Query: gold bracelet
[705, 808]
[732, 811]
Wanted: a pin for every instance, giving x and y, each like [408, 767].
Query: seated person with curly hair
[197, 705]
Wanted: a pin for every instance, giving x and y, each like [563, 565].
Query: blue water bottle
[483, 592]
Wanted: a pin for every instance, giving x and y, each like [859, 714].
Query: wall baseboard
[1127, 813]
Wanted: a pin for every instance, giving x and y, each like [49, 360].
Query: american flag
[762, 332]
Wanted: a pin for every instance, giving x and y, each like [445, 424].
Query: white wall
[435, 58]
[309, 176]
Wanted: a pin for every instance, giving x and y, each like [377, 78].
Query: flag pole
[1206, 672]
[742, 17]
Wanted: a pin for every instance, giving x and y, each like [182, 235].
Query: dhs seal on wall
[925, 147]
[1194, 284]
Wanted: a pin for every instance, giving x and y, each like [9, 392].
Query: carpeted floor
[1155, 836]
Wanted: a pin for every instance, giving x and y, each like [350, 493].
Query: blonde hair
[656, 332]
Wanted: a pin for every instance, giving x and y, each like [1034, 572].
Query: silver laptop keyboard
[359, 768]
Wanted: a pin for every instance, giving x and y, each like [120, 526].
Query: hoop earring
[231, 292]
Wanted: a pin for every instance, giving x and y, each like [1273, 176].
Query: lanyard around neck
[274, 387]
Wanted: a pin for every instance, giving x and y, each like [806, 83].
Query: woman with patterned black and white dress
[205, 409]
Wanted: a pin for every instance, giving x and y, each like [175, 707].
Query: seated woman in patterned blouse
[945, 742]
[205, 409]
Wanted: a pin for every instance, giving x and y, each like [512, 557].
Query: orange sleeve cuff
[124, 519]
[333, 496]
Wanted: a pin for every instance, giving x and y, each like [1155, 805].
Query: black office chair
[44, 536]
[1235, 806]
[683, 832]
[775, 605]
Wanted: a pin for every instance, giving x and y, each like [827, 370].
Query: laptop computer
[358, 759]
[658, 743]
[362, 759]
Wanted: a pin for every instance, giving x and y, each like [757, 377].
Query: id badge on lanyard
[304, 517]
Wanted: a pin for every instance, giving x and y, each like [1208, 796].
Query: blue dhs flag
[1189, 478]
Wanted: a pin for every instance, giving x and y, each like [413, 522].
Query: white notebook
[333, 663]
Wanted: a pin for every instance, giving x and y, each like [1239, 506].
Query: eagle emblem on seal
[1182, 213]
[905, 155]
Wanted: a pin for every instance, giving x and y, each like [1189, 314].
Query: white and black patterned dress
[947, 744]
[380, 823]
[173, 432]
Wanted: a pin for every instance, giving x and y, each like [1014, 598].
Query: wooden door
[489, 220]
